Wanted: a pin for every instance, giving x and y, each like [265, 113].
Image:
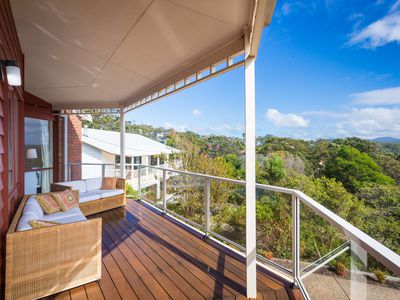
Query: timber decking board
[147, 256]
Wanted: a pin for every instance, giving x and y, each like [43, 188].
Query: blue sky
[325, 69]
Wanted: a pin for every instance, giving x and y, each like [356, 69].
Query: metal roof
[135, 144]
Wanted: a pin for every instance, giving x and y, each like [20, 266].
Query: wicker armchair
[45, 261]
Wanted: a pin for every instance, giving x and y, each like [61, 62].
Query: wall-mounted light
[13, 72]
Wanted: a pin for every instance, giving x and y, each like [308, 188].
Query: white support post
[122, 143]
[250, 139]
[295, 239]
[164, 190]
[66, 167]
[207, 208]
[103, 170]
[139, 187]
[132, 168]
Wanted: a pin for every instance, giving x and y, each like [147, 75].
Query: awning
[112, 54]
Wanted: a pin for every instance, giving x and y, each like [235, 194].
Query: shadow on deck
[149, 256]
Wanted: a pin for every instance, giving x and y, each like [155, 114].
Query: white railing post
[250, 162]
[358, 281]
[103, 170]
[207, 206]
[69, 172]
[139, 188]
[295, 238]
[164, 191]
[122, 144]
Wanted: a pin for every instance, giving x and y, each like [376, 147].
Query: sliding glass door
[38, 156]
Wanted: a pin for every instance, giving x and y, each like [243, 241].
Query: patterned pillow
[66, 200]
[41, 223]
[48, 204]
[109, 183]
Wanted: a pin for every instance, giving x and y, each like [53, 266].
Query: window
[128, 159]
[38, 156]
[153, 160]
[13, 127]
[137, 160]
[12, 137]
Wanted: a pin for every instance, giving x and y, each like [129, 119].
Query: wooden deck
[149, 256]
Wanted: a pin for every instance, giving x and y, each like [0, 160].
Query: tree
[390, 166]
[275, 168]
[354, 169]
[318, 237]
[384, 213]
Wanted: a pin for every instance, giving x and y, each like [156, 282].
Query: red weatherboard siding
[29, 106]
[10, 49]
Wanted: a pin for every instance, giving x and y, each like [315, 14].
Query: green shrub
[131, 192]
[341, 269]
[380, 275]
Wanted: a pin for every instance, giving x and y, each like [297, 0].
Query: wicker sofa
[48, 260]
[92, 199]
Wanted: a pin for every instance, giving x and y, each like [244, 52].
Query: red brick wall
[58, 149]
[75, 145]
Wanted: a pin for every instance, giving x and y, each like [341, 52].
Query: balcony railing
[195, 200]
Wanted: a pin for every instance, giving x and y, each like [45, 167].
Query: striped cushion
[109, 183]
[66, 200]
[48, 204]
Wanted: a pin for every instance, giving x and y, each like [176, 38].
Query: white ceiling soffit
[102, 54]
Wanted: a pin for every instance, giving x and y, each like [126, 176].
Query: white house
[103, 147]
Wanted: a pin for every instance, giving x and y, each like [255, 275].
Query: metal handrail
[381, 253]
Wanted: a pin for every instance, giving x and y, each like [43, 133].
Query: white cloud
[381, 32]
[395, 7]
[285, 120]
[286, 8]
[322, 114]
[196, 112]
[227, 128]
[386, 96]
[235, 129]
[370, 122]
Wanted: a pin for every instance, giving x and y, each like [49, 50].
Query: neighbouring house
[101, 153]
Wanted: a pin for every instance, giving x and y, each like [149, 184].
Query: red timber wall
[23, 105]
[10, 49]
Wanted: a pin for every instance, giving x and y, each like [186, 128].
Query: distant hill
[387, 140]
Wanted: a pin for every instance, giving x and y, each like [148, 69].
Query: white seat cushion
[110, 193]
[32, 211]
[89, 196]
[93, 184]
[33, 207]
[76, 185]
[71, 219]
[23, 223]
[63, 217]
[63, 214]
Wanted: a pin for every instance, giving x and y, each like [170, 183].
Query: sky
[325, 69]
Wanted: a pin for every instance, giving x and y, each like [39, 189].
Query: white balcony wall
[91, 155]
[108, 158]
